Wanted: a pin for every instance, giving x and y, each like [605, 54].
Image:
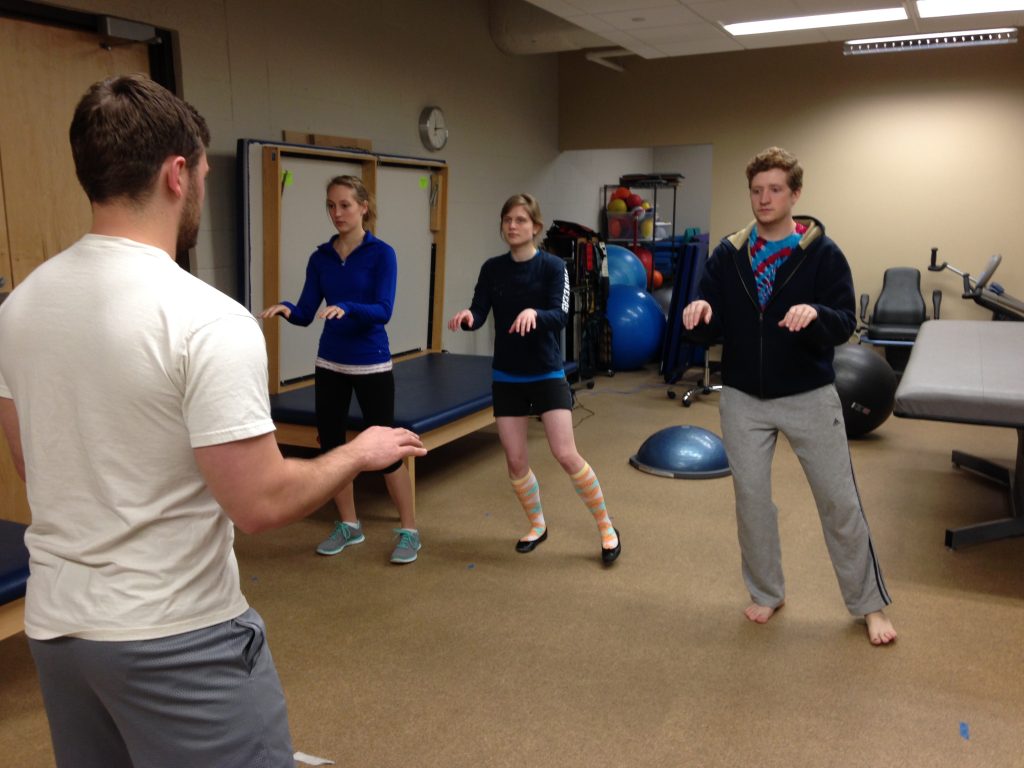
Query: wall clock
[433, 128]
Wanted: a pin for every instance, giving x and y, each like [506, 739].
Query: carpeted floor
[477, 656]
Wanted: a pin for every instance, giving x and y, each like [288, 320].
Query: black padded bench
[13, 577]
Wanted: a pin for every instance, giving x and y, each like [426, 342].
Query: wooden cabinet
[46, 69]
[13, 502]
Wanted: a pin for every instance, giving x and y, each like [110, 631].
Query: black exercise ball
[663, 296]
[867, 388]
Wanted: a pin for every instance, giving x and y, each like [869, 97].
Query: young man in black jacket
[780, 294]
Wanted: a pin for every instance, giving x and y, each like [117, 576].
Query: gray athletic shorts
[200, 699]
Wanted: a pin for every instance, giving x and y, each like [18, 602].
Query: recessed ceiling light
[815, 22]
[963, 39]
[929, 9]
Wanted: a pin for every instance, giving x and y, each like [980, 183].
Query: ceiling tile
[608, 6]
[656, 28]
[650, 18]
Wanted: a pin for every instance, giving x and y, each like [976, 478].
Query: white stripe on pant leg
[813, 424]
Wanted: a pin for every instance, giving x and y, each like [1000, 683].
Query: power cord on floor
[578, 406]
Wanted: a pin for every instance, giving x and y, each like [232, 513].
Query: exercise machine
[982, 291]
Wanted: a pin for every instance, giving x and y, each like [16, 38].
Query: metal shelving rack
[655, 183]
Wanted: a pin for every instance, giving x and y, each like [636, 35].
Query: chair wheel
[671, 395]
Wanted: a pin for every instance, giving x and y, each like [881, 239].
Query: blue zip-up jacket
[508, 287]
[364, 286]
[759, 357]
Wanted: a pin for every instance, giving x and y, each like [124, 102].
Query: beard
[188, 227]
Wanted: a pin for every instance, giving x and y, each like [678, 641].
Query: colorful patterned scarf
[767, 256]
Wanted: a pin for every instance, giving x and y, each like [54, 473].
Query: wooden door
[44, 70]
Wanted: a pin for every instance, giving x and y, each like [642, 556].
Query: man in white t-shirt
[134, 399]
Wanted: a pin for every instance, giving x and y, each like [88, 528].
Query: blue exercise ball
[625, 267]
[637, 325]
[682, 452]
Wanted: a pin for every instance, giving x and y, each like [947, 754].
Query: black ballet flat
[609, 556]
[528, 546]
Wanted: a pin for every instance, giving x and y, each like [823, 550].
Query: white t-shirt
[120, 363]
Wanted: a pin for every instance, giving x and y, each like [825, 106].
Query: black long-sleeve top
[508, 287]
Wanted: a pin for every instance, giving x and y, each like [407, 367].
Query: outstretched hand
[331, 312]
[696, 312]
[276, 309]
[525, 322]
[380, 447]
[462, 317]
[799, 317]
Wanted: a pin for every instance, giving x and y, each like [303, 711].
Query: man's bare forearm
[260, 489]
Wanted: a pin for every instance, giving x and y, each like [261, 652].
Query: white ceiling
[657, 28]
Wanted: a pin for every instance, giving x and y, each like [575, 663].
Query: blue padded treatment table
[13, 577]
[971, 372]
[439, 396]
[430, 391]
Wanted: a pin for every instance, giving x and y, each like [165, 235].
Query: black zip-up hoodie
[759, 357]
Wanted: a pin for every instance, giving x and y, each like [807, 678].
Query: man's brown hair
[777, 157]
[123, 130]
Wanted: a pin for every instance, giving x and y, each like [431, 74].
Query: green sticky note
[288, 179]
[424, 182]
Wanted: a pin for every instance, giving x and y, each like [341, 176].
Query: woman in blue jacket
[528, 290]
[355, 275]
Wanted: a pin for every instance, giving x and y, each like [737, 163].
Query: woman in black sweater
[528, 291]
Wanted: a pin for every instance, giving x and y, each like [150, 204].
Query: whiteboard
[403, 221]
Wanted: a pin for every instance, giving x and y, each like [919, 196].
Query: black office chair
[704, 337]
[704, 387]
[899, 312]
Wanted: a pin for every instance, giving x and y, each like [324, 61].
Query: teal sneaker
[342, 536]
[407, 546]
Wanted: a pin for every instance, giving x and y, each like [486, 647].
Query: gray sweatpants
[813, 424]
[199, 699]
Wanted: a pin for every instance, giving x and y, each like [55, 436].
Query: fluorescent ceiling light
[963, 39]
[929, 9]
[815, 22]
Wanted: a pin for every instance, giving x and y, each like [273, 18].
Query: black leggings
[375, 393]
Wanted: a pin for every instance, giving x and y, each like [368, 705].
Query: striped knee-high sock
[589, 489]
[528, 492]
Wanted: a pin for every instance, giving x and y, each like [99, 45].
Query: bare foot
[880, 629]
[760, 614]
